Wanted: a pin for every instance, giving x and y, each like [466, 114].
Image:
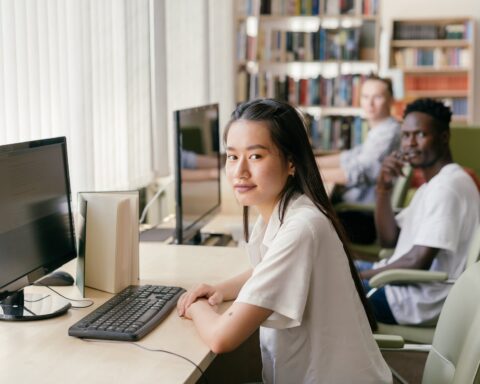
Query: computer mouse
[57, 278]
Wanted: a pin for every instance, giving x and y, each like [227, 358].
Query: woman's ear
[291, 168]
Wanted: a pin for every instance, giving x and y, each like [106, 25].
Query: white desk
[42, 351]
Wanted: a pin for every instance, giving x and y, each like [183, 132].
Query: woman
[303, 291]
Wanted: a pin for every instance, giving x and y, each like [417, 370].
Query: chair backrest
[464, 146]
[455, 354]
[401, 187]
[474, 249]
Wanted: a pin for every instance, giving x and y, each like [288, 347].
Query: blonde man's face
[375, 100]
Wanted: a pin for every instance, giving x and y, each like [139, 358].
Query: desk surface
[42, 351]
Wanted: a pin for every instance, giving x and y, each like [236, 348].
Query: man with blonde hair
[356, 170]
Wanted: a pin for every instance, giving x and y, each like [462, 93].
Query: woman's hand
[197, 305]
[209, 292]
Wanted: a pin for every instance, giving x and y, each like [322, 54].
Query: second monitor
[197, 170]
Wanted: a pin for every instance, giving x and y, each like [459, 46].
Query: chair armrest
[397, 343]
[385, 253]
[398, 276]
[345, 207]
[389, 341]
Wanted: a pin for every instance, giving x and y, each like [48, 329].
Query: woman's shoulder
[303, 212]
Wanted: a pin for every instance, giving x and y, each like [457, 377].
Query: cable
[144, 212]
[34, 301]
[202, 372]
[90, 302]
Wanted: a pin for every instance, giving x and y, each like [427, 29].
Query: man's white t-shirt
[442, 214]
[318, 331]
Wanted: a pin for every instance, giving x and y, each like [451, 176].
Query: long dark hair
[288, 132]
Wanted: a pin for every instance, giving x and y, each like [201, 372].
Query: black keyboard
[129, 315]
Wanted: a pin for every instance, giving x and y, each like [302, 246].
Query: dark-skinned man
[434, 232]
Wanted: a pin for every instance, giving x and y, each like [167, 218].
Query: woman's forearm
[231, 287]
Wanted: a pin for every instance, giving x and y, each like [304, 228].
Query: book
[108, 240]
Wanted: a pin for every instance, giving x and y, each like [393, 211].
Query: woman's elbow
[222, 341]
[220, 344]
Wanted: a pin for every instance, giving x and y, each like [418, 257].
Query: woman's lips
[242, 188]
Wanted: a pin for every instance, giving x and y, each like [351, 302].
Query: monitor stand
[212, 239]
[196, 239]
[217, 239]
[24, 307]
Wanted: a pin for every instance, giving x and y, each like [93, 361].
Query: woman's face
[255, 167]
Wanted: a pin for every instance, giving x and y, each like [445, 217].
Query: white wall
[194, 64]
[222, 54]
[405, 9]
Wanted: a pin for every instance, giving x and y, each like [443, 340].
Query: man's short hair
[384, 80]
[440, 113]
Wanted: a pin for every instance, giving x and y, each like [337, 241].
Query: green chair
[454, 356]
[399, 193]
[418, 334]
[464, 145]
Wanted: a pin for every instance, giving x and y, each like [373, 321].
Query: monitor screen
[36, 221]
[197, 169]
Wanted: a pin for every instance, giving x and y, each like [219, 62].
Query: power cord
[202, 372]
[40, 299]
[90, 302]
[144, 212]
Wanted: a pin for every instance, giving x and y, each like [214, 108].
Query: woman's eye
[231, 157]
[255, 157]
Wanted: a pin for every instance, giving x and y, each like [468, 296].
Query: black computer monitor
[197, 170]
[36, 224]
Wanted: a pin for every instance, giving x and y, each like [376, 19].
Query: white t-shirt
[318, 331]
[442, 214]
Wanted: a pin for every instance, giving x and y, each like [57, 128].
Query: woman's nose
[241, 170]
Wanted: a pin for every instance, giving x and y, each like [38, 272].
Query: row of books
[452, 82]
[455, 31]
[432, 57]
[340, 91]
[458, 105]
[343, 7]
[290, 7]
[325, 44]
[370, 7]
[306, 7]
[337, 132]
[247, 7]
[246, 44]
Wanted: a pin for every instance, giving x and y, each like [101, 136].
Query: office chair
[399, 193]
[418, 333]
[454, 356]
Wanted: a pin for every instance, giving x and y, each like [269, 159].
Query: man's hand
[391, 169]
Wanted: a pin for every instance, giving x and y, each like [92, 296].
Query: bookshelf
[314, 54]
[436, 58]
